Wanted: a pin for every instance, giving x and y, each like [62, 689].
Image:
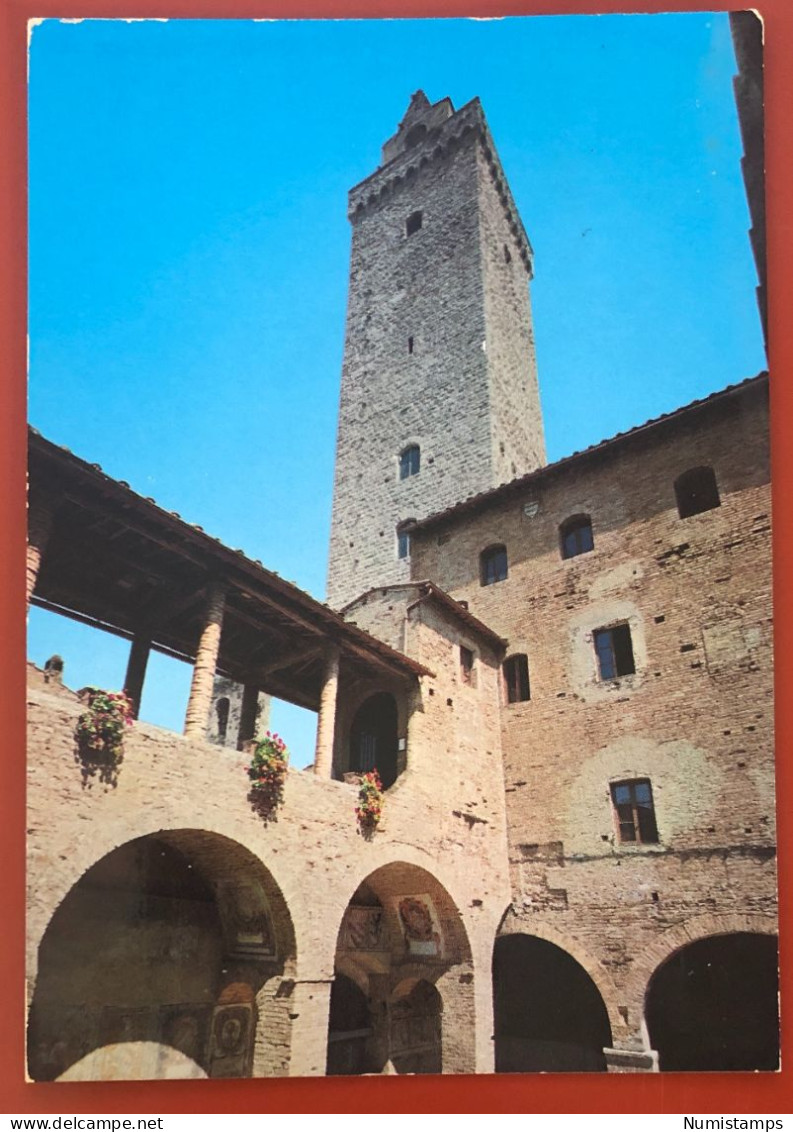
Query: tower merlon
[411, 148]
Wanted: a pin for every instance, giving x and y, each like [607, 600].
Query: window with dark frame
[696, 491]
[614, 650]
[413, 223]
[222, 708]
[466, 665]
[516, 678]
[410, 462]
[575, 536]
[403, 544]
[493, 565]
[634, 811]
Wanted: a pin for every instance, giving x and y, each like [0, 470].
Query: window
[466, 665]
[614, 652]
[403, 538]
[634, 811]
[413, 223]
[516, 678]
[222, 708]
[410, 344]
[493, 565]
[696, 491]
[575, 536]
[410, 462]
[507, 255]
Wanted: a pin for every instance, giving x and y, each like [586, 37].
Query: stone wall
[442, 839]
[438, 348]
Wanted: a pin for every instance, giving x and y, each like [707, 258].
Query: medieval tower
[439, 395]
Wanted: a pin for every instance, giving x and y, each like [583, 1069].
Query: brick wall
[696, 718]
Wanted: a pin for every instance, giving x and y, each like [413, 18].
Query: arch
[655, 953]
[713, 1004]
[696, 491]
[403, 945]
[575, 536]
[549, 1015]
[374, 738]
[134, 1061]
[349, 1029]
[415, 134]
[416, 1027]
[166, 940]
[599, 975]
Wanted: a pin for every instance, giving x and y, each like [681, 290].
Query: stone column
[310, 1010]
[39, 526]
[136, 670]
[248, 714]
[200, 702]
[326, 724]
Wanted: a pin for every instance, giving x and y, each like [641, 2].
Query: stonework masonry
[565, 684]
[438, 350]
[696, 717]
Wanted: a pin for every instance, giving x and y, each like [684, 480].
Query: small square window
[466, 665]
[634, 811]
[614, 650]
[696, 491]
[413, 223]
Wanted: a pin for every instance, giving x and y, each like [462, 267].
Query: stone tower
[439, 396]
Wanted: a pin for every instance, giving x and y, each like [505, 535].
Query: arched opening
[163, 945]
[349, 1030]
[403, 994]
[415, 1038]
[415, 134]
[373, 738]
[713, 1005]
[549, 1015]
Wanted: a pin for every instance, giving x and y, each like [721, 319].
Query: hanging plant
[370, 803]
[99, 734]
[267, 774]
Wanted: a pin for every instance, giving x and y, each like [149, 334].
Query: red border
[742, 1093]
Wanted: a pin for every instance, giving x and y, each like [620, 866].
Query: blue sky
[189, 250]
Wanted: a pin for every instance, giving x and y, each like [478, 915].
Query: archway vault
[403, 951]
[680, 935]
[549, 1015]
[569, 943]
[176, 939]
[712, 1004]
